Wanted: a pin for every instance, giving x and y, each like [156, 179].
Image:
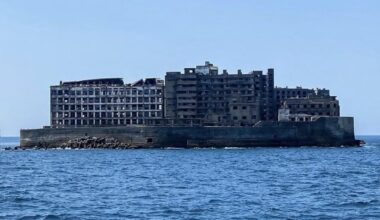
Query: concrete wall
[334, 131]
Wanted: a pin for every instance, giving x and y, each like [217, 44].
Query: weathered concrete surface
[326, 131]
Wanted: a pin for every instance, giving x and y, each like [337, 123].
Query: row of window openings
[210, 105]
[317, 113]
[106, 114]
[226, 92]
[200, 99]
[98, 122]
[106, 100]
[207, 86]
[242, 92]
[253, 117]
[292, 93]
[312, 106]
[104, 107]
[242, 86]
[107, 92]
[229, 80]
[300, 119]
[303, 92]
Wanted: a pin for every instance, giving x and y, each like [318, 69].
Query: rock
[94, 142]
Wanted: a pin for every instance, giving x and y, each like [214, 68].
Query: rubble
[95, 142]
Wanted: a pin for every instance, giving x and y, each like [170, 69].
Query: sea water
[233, 183]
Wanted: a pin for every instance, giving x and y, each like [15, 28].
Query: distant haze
[325, 44]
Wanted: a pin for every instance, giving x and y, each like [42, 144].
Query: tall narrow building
[220, 99]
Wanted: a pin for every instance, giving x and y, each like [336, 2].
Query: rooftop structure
[93, 82]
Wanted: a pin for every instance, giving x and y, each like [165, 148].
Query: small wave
[371, 146]
[204, 148]
[44, 217]
[20, 199]
[52, 217]
[173, 148]
[234, 148]
[171, 211]
[30, 217]
[212, 201]
[360, 203]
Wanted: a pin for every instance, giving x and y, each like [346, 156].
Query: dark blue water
[262, 183]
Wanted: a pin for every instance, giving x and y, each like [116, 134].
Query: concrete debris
[94, 142]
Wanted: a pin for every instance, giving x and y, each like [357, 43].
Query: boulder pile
[94, 142]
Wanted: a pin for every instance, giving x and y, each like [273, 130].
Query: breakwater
[325, 131]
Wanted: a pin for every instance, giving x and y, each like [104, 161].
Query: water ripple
[233, 183]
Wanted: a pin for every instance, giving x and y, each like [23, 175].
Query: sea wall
[326, 131]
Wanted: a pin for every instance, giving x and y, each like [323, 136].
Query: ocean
[232, 183]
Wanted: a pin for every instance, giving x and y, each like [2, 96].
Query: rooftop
[101, 81]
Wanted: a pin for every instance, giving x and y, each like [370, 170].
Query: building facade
[283, 94]
[106, 102]
[313, 105]
[195, 97]
[219, 99]
[301, 104]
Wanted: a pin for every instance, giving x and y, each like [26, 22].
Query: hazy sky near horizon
[325, 44]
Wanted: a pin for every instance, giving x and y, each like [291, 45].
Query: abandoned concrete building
[313, 105]
[195, 97]
[282, 94]
[105, 102]
[219, 99]
[300, 104]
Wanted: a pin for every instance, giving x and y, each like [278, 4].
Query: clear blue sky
[326, 44]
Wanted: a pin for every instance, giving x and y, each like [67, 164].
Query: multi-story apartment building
[314, 105]
[106, 102]
[306, 101]
[198, 96]
[282, 94]
[219, 99]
